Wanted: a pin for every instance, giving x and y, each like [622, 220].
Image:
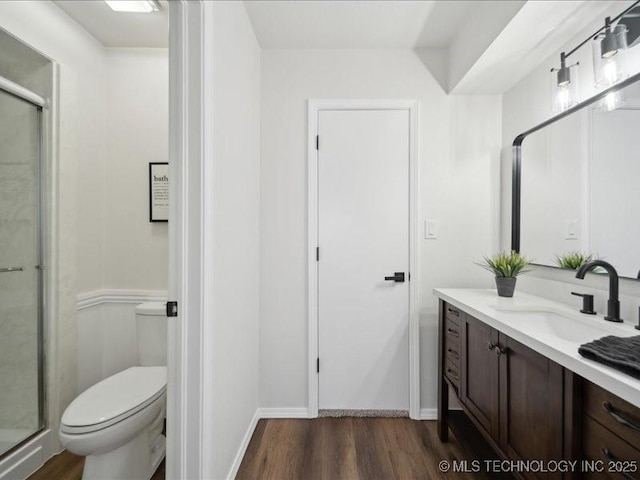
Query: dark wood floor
[337, 449]
[68, 466]
[357, 449]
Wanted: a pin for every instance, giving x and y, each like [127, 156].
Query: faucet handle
[587, 302]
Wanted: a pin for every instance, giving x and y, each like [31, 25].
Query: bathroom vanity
[514, 366]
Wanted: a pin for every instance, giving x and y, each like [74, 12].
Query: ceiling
[469, 46]
[114, 29]
[356, 24]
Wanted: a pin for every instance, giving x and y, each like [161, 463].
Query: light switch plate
[572, 230]
[430, 230]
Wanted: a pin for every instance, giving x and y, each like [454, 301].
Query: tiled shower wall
[18, 295]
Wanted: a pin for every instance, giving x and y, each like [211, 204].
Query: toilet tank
[151, 329]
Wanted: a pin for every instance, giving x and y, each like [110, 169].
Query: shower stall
[22, 393]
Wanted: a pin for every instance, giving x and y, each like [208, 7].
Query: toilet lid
[114, 399]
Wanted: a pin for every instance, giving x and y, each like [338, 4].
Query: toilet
[117, 423]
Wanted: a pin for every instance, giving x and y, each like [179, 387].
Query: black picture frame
[159, 192]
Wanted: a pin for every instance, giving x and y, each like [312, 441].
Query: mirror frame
[516, 175]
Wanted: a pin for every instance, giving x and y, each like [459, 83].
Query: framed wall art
[159, 192]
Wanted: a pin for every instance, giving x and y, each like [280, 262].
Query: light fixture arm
[608, 22]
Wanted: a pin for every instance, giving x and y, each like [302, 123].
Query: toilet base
[135, 460]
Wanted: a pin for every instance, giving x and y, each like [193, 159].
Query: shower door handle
[10, 269]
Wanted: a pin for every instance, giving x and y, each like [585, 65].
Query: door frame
[314, 108]
[189, 340]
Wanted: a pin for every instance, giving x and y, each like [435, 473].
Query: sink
[547, 320]
[565, 328]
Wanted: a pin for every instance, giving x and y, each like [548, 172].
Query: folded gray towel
[621, 353]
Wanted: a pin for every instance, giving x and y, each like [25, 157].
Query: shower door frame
[40, 104]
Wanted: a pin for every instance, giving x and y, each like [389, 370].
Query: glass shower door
[21, 376]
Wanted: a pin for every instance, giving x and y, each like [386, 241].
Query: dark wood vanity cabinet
[514, 395]
[531, 390]
[530, 408]
[610, 433]
[479, 387]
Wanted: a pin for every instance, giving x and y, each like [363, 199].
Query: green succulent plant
[573, 260]
[505, 264]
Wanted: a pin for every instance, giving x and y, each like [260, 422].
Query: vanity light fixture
[564, 90]
[133, 6]
[609, 54]
[609, 45]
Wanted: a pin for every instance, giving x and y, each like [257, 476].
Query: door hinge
[317, 254]
[317, 365]
[409, 275]
[317, 142]
[172, 309]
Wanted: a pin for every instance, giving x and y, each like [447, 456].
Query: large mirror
[576, 184]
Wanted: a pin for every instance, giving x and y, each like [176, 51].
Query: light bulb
[610, 71]
[563, 98]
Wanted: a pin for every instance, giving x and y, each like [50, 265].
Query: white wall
[460, 143]
[136, 250]
[236, 230]
[526, 105]
[106, 341]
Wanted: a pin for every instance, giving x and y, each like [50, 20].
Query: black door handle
[398, 277]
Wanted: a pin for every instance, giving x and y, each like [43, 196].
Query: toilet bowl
[117, 423]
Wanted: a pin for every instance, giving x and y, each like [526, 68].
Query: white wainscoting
[107, 332]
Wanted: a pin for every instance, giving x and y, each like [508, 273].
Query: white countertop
[553, 329]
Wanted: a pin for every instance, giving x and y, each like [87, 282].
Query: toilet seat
[114, 399]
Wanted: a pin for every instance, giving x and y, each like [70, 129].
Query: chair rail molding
[98, 297]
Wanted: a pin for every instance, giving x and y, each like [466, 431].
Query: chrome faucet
[613, 304]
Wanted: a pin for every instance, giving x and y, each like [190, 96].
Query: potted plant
[573, 260]
[506, 267]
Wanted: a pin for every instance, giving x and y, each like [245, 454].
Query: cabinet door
[479, 374]
[531, 405]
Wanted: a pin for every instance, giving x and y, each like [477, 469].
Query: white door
[363, 237]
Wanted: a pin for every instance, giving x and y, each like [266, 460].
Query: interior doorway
[361, 238]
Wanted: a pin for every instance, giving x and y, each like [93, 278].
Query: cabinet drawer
[452, 350]
[619, 416]
[452, 332]
[601, 444]
[452, 314]
[452, 371]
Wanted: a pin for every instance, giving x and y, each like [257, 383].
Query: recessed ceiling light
[136, 6]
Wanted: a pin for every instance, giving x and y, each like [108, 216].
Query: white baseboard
[28, 458]
[301, 412]
[235, 466]
[428, 414]
[97, 297]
